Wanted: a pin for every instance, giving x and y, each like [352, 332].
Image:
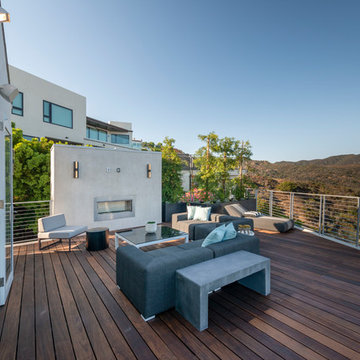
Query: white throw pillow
[202, 213]
[191, 212]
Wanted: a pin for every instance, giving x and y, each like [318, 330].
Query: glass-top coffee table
[138, 237]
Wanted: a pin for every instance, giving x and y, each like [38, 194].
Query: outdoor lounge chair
[54, 227]
[261, 222]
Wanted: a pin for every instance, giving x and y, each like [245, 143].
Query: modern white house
[44, 109]
[6, 225]
[112, 134]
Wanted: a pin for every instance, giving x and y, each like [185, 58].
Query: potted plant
[150, 227]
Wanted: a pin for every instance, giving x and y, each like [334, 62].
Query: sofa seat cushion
[169, 250]
[65, 232]
[272, 223]
[241, 242]
[191, 244]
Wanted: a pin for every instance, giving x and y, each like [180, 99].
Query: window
[18, 105]
[58, 115]
[95, 134]
[28, 137]
[120, 139]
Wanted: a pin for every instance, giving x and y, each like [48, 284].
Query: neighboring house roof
[102, 125]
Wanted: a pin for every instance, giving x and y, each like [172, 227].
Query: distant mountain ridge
[338, 175]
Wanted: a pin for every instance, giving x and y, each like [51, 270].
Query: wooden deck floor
[66, 305]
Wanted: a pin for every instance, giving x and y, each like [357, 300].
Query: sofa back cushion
[235, 210]
[241, 242]
[50, 223]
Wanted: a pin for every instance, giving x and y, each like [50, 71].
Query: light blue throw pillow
[202, 213]
[191, 212]
[215, 236]
[230, 232]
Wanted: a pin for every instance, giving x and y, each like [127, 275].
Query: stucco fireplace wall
[105, 175]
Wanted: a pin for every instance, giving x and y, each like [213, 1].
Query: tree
[171, 169]
[171, 172]
[31, 180]
[205, 161]
[225, 147]
[151, 146]
[287, 186]
[242, 154]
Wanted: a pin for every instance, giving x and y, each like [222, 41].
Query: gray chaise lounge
[261, 222]
[181, 222]
[148, 278]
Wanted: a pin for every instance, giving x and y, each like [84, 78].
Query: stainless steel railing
[333, 216]
[25, 219]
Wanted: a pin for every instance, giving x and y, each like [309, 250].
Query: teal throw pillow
[191, 212]
[215, 236]
[202, 213]
[230, 232]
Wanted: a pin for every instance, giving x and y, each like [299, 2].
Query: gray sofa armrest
[149, 281]
[131, 266]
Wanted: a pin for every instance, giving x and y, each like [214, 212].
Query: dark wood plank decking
[66, 306]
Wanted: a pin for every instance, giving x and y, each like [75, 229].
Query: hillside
[338, 175]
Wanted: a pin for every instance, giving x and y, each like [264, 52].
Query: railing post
[271, 203]
[358, 223]
[320, 213]
[291, 210]
[323, 214]
[256, 198]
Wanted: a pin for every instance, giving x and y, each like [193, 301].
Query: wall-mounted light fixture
[76, 169]
[148, 170]
[4, 15]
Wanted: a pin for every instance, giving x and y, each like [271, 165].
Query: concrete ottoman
[194, 282]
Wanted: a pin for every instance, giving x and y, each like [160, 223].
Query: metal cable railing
[25, 218]
[334, 216]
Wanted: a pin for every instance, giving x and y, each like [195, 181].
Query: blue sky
[284, 74]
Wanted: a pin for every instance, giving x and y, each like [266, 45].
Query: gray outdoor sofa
[261, 222]
[180, 222]
[148, 278]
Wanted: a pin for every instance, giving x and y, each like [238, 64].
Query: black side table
[97, 238]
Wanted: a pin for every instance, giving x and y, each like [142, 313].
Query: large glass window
[96, 134]
[58, 115]
[120, 139]
[18, 105]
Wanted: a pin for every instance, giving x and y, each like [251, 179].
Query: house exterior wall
[36, 90]
[99, 179]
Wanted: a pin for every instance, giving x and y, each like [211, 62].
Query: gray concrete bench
[194, 282]
[54, 227]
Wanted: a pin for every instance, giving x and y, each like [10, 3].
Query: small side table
[97, 238]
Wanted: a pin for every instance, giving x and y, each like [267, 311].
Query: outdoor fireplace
[110, 208]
